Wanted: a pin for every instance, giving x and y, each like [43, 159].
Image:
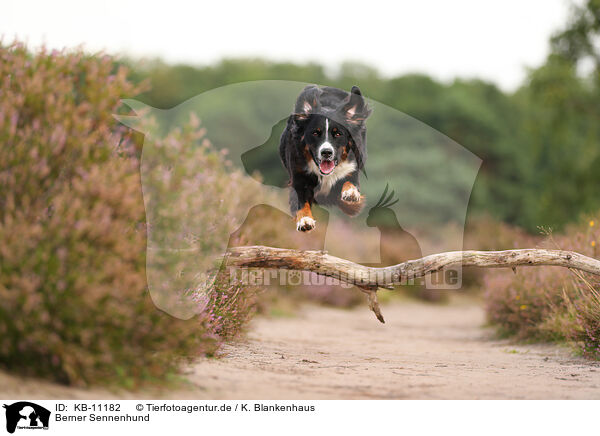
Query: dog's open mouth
[326, 166]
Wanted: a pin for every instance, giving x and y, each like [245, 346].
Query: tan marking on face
[307, 154]
[344, 154]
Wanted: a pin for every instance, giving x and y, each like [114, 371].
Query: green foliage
[578, 40]
[560, 113]
[539, 145]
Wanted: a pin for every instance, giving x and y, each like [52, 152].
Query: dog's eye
[336, 134]
[316, 133]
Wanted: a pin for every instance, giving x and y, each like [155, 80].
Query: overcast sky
[493, 40]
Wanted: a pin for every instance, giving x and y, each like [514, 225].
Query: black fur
[328, 127]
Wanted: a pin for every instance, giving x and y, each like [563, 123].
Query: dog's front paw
[305, 224]
[350, 193]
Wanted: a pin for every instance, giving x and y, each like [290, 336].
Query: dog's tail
[352, 208]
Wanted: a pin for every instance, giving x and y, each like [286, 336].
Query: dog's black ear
[307, 102]
[355, 110]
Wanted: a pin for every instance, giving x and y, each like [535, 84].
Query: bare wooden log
[349, 272]
[369, 279]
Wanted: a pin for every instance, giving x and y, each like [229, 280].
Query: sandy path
[423, 352]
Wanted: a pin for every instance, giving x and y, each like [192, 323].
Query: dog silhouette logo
[431, 175]
[26, 415]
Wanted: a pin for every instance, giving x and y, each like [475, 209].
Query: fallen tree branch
[369, 279]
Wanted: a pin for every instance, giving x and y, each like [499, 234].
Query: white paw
[351, 195]
[305, 224]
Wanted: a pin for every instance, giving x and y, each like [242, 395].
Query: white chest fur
[327, 182]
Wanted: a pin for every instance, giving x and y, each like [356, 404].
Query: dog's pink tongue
[326, 166]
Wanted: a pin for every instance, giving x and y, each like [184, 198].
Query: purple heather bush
[550, 303]
[74, 305]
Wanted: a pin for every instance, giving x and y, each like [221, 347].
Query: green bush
[73, 300]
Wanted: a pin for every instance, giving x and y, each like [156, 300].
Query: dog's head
[330, 124]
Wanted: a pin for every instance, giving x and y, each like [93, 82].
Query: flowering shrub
[194, 199]
[74, 306]
[549, 303]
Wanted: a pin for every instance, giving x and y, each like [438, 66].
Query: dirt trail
[423, 352]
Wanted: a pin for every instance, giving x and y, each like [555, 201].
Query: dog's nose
[326, 153]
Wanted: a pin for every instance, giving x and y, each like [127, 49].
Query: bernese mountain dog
[323, 148]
